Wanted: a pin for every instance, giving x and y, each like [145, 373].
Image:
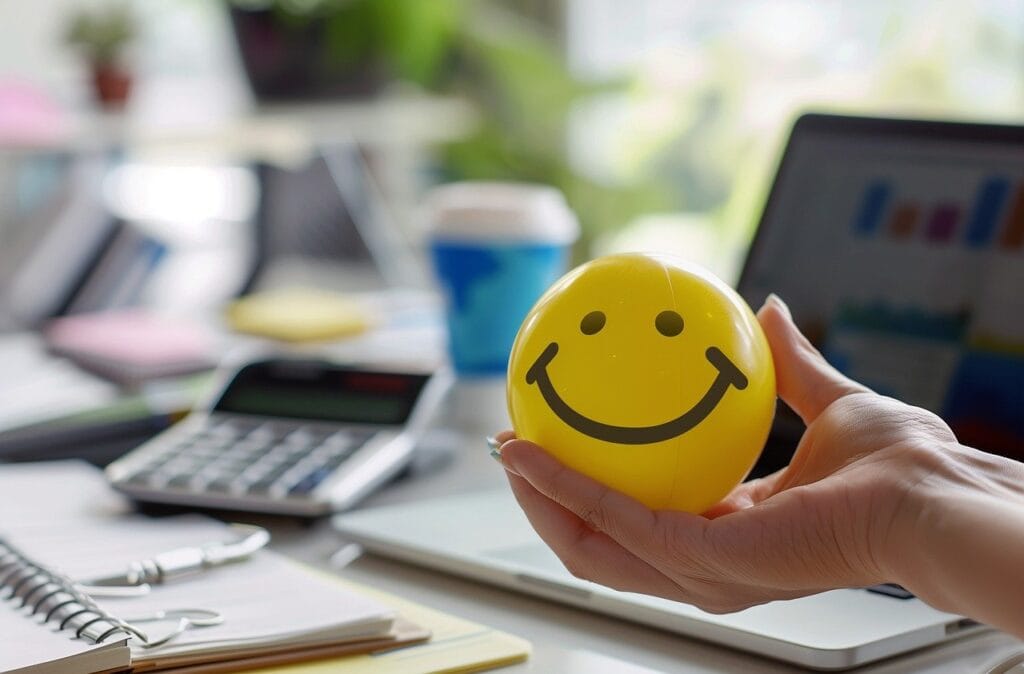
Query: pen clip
[187, 618]
[252, 539]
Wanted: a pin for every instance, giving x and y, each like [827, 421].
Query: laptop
[899, 247]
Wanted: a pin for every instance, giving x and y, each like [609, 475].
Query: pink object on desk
[28, 117]
[131, 346]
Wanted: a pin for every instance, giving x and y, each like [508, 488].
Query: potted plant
[102, 35]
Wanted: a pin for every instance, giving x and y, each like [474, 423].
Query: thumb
[805, 380]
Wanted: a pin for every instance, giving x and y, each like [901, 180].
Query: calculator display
[320, 391]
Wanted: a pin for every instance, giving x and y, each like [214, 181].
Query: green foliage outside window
[508, 66]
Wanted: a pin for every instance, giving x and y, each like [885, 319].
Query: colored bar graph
[942, 224]
[1013, 231]
[994, 218]
[869, 217]
[903, 221]
[981, 227]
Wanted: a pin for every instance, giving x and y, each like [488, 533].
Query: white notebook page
[66, 519]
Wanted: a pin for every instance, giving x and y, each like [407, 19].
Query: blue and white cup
[496, 248]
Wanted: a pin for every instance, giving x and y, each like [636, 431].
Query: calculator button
[221, 467]
[141, 477]
[263, 434]
[311, 481]
[210, 438]
[262, 469]
[199, 454]
[302, 436]
[179, 481]
[246, 448]
[230, 469]
[221, 485]
[328, 452]
[362, 436]
[234, 458]
[336, 460]
[277, 455]
[178, 468]
[250, 446]
[269, 460]
[339, 439]
[154, 464]
[266, 483]
[204, 460]
[206, 448]
[285, 449]
[228, 430]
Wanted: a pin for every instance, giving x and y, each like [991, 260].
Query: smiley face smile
[728, 375]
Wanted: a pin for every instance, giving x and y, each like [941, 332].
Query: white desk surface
[559, 632]
[554, 629]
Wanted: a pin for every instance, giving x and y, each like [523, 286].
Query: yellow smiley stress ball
[649, 375]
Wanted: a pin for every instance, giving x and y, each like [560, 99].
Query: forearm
[964, 552]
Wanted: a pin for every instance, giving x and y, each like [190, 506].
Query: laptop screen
[899, 247]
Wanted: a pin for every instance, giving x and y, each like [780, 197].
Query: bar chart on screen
[990, 217]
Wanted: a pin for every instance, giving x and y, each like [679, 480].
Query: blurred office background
[659, 119]
[174, 154]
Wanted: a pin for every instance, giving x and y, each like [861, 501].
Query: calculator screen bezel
[315, 390]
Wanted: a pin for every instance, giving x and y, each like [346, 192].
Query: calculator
[295, 437]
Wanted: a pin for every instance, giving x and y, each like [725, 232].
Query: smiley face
[669, 324]
[648, 375]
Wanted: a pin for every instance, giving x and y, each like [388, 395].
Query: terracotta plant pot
[112, 85]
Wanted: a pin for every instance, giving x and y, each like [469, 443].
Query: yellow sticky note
[297, 315]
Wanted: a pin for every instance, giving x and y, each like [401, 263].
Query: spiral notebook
[268, 605]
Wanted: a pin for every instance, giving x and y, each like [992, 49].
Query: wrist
[921, 520]
[943, 504]
[920, 485]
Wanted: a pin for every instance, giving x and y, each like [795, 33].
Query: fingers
[617, 517]
[781, 546]
[627, 522]
[747, 494]
[504, 437]
[587, 554]
[804, 378]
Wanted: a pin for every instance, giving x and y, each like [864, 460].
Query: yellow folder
[456, 645]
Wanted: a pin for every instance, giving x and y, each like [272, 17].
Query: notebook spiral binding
[47, 593]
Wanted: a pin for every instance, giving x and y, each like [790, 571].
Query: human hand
[847, 512]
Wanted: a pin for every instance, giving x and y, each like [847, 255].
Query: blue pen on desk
[181, 562]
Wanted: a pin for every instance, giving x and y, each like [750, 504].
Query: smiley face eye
[669, 323]
[592, 323]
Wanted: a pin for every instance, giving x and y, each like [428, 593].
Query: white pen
[181, 562]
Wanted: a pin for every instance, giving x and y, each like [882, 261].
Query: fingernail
[495, 448]
[779, 304]
[502, 460]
